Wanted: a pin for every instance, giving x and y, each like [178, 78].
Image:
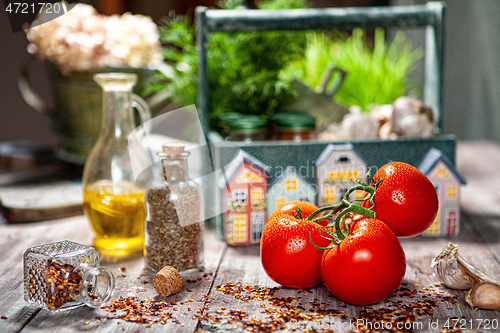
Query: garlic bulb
[455, 272]
[412, 118]
[358, 125]
[484, 295]
[385, 132]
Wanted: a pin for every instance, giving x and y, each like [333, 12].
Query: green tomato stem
[347, 209]
[334, 208]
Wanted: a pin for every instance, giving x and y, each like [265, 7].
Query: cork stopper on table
[173, 148]
[167, 281]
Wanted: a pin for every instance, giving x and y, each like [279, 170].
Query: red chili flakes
[140, 311]
[247, 292]
[404, 306]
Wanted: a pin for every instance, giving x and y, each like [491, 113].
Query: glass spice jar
[248, 129]
[65, 275]
[175, 215]
[276, 118]
[225, 119]
[296, 127]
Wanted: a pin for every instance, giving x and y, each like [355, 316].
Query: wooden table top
[203, 305]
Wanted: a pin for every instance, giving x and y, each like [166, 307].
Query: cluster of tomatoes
[359, 256]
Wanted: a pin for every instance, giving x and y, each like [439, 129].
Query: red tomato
[405, 200]
[287, 255]
[367, 266]
[290, 208]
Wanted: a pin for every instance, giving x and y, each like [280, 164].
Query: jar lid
[248, 123]
[283, 115]
[297, 122]
[228, 117]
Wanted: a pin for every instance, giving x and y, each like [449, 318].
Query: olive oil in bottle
[113, 197]
[116, 214]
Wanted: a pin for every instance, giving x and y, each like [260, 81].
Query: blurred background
[471, 65]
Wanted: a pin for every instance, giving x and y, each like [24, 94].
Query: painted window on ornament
[451, 192]
[240, 228]
[256, 195]
[291, 184]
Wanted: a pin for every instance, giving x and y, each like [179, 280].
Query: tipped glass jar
[175, 218]
[65, 275]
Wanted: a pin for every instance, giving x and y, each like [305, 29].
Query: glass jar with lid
[175, 215]
[225, 119]
[296, 127]
[276, 118]
[248, 129]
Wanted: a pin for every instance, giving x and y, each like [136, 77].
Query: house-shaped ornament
[445, 178]
[288, 186]
[243, 184]
[337, 168]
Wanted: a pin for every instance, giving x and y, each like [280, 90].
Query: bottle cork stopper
[173, 148]
[167, 281]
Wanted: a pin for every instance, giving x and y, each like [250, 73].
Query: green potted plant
[243, 68]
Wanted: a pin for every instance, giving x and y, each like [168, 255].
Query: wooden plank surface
[139, 283]
[242, 266]
[240, 269]
[479, 162]
[14, 240]
[23, 317]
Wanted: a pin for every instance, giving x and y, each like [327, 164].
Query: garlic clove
[455, 272]
[484, 295]
[412, 118]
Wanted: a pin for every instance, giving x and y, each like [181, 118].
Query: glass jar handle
[98, 285]
[144, 112]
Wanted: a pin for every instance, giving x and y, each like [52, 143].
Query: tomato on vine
[298, 209]
[287, 255]
[365, 262]
[367, 266]
[404, 199]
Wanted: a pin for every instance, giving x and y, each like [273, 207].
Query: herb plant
[377, 75]
[243, 68]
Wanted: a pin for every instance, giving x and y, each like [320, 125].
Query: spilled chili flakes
[147, 311]
[406, 305]
[287, 313]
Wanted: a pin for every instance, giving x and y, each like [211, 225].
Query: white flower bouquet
[84, 40]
